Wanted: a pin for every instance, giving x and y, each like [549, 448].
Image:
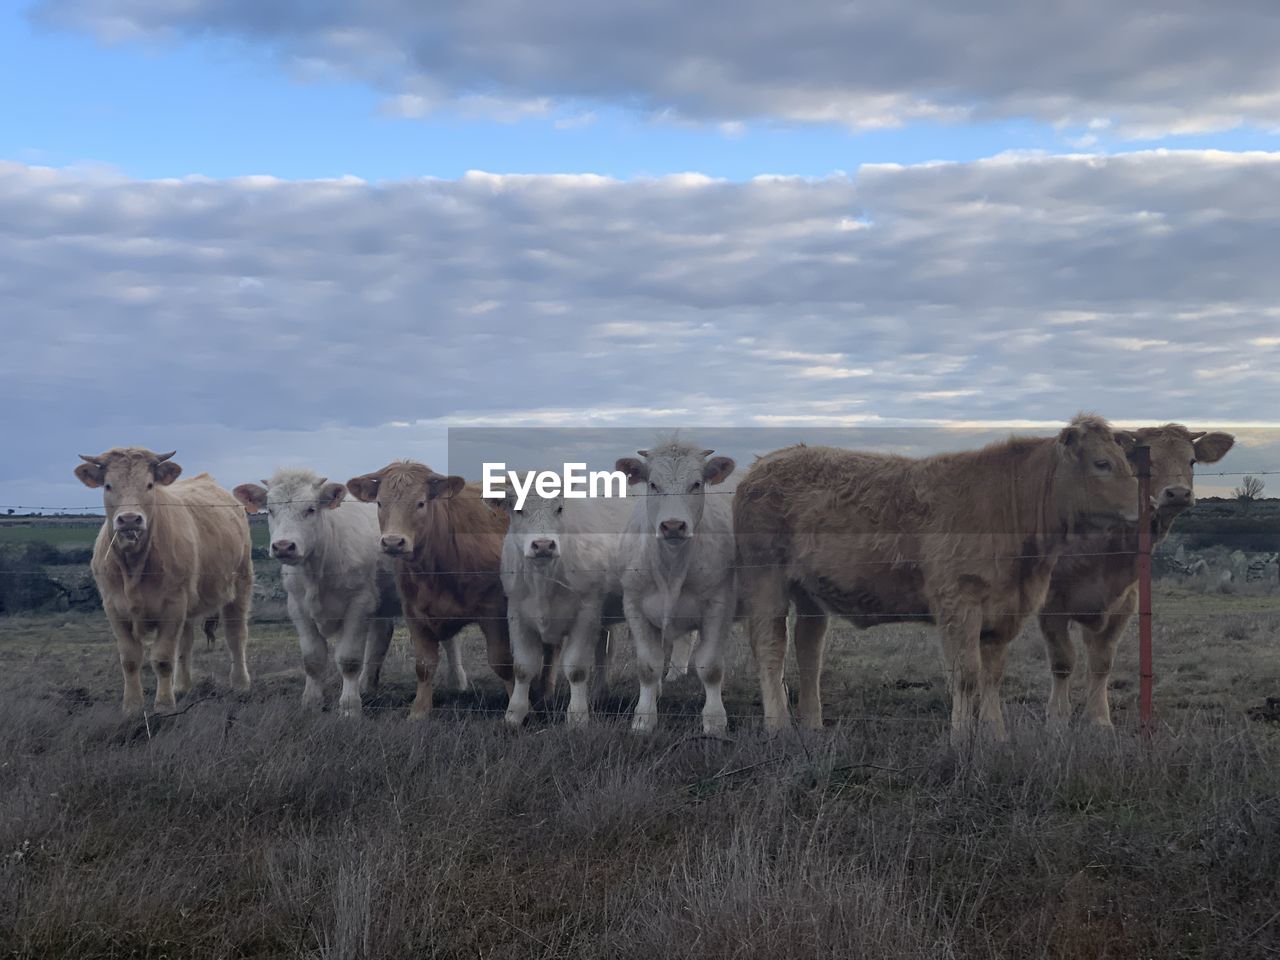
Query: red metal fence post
[1142, 460]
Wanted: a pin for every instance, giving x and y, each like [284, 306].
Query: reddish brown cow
[447, 543]
[1095, 582]
[965, 540]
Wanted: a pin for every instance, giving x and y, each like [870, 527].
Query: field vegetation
[250, 828]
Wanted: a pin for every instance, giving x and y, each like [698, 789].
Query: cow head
[538, 526]
[406, 495]
[129, 477]
[1094, 478]
[677, 476]
[296, 502]
[1175, 451]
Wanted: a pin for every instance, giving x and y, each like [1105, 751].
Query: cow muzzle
[1177, 496]
[130, 526]
[542, 550]
[395, 545]
[674, 531]
[286, 551]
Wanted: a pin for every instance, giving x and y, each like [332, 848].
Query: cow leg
[235, 628]
[163, 650]
[716, 624]
[526, 649]
[350, 654]
[1056, 630]
[810, 632]
[993, 653]
[186, 642]
[129, 649]
[426, 657]
[600, 675]
[681, 650]
[376, 643]
[1101, 647]
[315, 658]
[767, 605]
[577, 656]
[497, 647]
[455, 672]
[962, 660]
[649, 666]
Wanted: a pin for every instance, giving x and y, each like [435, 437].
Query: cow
[171, 556]
[964, 540]
[677, 571]
[560, 573]
[339, 584]
[1095, 582]
[447, 546]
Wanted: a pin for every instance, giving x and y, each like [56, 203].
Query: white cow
[677, 573]
[560, 574]
[339, 583]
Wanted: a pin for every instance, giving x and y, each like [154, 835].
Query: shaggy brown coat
[1095, 582]
[447, 542]
[965, 540]
[191, 565]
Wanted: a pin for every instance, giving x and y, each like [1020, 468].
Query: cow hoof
[312, 700]
[578, 718]
[644, 724]
[715, 726]
[349, 707]
[515, 718]
[240, 682]
[459, 682]
[419, 715]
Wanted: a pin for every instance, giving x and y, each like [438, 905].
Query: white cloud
[250, 320]
[1136, 69]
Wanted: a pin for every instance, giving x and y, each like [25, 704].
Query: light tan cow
[965, 540]
[171, 557]
[1095, 582]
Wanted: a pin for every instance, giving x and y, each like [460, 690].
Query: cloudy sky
[326, 233]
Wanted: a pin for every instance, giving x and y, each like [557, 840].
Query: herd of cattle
[974, 542]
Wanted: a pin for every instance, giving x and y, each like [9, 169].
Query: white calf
[677, 572]
[338, 582]
[559, 571]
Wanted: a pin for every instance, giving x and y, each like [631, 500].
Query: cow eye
[697, 485]
[310, 511]
[1102, 464]
[559, 510]
[653, 486]
[150, 485]
[106, 486]
[421, 504]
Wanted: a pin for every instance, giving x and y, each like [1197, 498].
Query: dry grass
[247, 828]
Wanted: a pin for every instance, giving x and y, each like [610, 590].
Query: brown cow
[1095, 582]
[965, 540]
[447, 543]
[169, 558]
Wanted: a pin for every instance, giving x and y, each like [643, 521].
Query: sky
[324, 234]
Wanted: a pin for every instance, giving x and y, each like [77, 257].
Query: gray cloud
[250, 321]
[1149, 67]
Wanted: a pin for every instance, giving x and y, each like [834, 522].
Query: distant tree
[11, 511]
[1248, 491]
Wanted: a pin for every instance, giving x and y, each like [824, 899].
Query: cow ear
[1127, 440]
[1069, 437]
[717, 470]
[637, 471]
[91, 473]
[365, 488]
[252, 496]
[1212, 447]
[166, 472]
[332, 494]
[446, 487]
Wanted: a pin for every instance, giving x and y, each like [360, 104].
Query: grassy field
[249, 828]
[79, 533]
